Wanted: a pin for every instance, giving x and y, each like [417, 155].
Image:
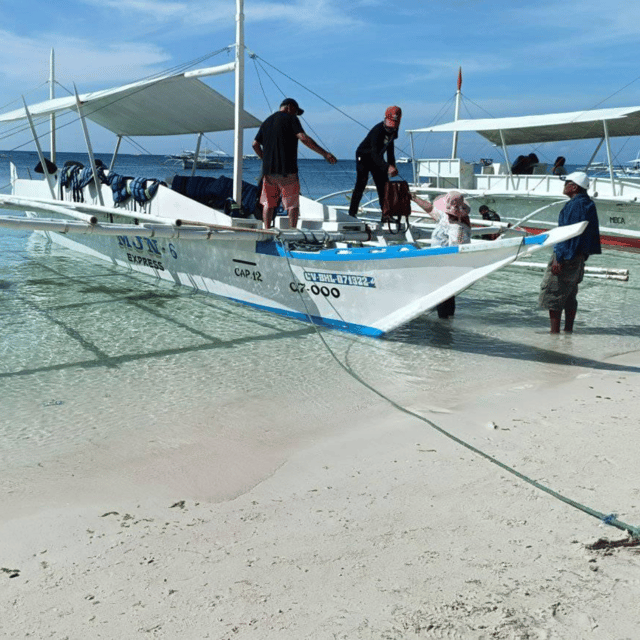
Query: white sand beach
[369, 525]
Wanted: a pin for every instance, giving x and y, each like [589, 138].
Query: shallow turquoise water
[91, 354]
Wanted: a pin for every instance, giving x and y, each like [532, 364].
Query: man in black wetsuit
[370, 158]
[489, 214]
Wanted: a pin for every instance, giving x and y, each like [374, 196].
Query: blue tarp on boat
[214, 192]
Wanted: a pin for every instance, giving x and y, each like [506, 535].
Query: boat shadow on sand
[429, 331]
[156, 303]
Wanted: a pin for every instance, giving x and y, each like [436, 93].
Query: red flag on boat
[459, 78]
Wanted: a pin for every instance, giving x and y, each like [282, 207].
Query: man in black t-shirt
[277, 145]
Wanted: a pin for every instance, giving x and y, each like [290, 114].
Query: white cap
[578, 177]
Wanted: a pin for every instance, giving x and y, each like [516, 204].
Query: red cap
[392, 117]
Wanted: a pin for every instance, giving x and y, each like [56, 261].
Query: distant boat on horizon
[207, 159]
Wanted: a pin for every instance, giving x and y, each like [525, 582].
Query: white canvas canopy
[553, 127]
[172, 105]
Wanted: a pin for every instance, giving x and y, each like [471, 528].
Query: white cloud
[26, 60]
[425, 69]
[198, 15]
[307, 14]
[576, 32]
[157, 10]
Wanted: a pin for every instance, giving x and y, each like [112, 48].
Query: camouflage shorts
[559, 292]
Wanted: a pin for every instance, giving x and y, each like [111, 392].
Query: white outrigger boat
[333, 270]
[204, 159]
[616, 196]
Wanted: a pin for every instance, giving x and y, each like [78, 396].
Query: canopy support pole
[92, 159]
[593, 157]
[506, 157]
[115, 154]
[413, 160]
[454, 150]
[239, 106]
[196, 155]
[52, 117]
[609, 159]
[43, 164]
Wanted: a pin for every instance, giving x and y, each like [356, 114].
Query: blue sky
[358, 55]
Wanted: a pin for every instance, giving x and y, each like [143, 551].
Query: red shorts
[285, 187]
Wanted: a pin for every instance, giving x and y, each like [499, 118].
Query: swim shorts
[286, 187]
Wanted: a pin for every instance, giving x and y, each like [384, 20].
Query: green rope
[609, 519]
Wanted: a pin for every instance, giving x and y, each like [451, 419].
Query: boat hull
[619, 222]
[368, 291]
[203, 164]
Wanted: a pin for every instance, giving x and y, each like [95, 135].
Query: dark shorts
[559, 292]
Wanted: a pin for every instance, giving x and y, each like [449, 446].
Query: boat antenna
[239, 104]
[454, 150]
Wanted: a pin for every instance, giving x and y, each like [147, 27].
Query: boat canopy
[171, 105]
[553, 127]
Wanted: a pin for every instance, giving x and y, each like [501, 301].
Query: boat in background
[515, 196]
[634, 168]
[598, 167]
[206, 233]
[205, 159]
[601, 169]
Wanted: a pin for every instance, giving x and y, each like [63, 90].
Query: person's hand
[330, 158]
[556, 267]
[393, 172]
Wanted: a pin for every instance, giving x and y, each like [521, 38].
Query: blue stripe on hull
[322, 322]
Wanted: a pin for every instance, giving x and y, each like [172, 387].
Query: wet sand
[370, 524]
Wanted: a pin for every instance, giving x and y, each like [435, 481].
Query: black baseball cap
[290, 101]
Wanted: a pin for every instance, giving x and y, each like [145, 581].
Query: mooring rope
[609, 519]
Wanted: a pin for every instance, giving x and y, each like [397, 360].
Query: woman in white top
[453, 227]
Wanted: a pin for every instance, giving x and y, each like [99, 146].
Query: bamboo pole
[202, 232]
[74, 208]
[593, 272]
